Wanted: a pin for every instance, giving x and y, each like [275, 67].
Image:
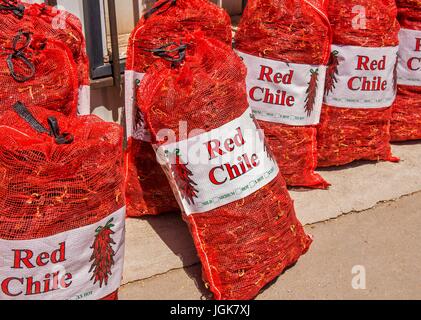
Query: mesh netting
[349, 134]
[246, 244]
[51, 24]
[66, 27]
[148, 192]
[37, 71]
[290, 31]
[168, 22]
[406, 117]
[48, 188]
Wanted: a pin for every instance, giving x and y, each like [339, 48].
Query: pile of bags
[62, 207]
[311, 83]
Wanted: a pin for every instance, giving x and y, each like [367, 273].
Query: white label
[60, 267]
[409, 68]
[218, 167]
[84, 103]
[135, 124]
[281, 92]
[360, 77]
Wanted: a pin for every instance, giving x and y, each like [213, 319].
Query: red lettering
[277, 78]
[364, 84]
[214, 148]
[22, 258]
[18, 259]
[417, 44]
[212, 177]
[233, 171]
[32, 287]
[252, 93]
[59, 255]
[64, 281]
[255, 160]
[364, 63]
[265, 72]
[42, 259]
[414, 64]
[280, 98]
[5, 287]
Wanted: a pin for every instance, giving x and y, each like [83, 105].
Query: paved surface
[385, 240]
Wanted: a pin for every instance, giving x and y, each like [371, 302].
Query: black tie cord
[154, 9]
[25, 114]
[19, 54]
[14, 7]
[175, 55]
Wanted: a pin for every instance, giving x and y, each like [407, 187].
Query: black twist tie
[168, 54]
[19, 54]
[64, 138]
[12, 6]
[25, 114]
[149, 13]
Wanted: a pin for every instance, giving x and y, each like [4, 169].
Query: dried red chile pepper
[37, 71]
[52, 24]
[148, 192]
[247, 243]
[58, 182]
[347, 134]
[291, 31]
[406, 117]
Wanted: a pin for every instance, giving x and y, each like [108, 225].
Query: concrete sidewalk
[385, 240]
[161, 247]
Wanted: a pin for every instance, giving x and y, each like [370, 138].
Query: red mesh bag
[147, 189]
[37, 71]
[244, 228]
[361, 82]
[406, 117]
[289, 38]
[61, 206]
[53, 24]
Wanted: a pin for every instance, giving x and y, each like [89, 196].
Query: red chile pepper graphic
[183, 177]
[332, 72]
[311, 91]
[103, 254]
